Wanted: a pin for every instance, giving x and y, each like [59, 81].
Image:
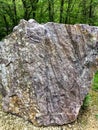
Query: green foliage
[96, 116]
[86, 101]
[61, 11]
[95, 81]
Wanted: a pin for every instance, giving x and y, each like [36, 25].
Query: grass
[86, 101]
[94, 88]
[92, 97]
[95, 82]
[96, 116]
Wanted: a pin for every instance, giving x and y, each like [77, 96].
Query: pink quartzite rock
[46, 70]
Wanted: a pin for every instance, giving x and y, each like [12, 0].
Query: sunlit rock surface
[46, 70]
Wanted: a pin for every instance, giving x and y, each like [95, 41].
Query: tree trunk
[34, 7]
[61, 11]
[15, 12]
[68, 11]
[25, 9]
[51, 10]
[6, 24]
[90, 9]
[84, 11]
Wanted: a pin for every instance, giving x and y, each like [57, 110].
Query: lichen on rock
[46, 70]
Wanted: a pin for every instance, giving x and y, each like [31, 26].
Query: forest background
[60, 11]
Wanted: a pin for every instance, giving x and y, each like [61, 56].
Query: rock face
[46, 70]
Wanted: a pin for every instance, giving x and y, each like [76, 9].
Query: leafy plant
[86, 101]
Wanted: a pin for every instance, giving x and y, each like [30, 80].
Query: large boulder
[46, 70]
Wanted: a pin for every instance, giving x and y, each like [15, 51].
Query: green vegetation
[61, 11]
[95, 88]
[96, 116]
[95, 82]
[86, 102]
[88, 98]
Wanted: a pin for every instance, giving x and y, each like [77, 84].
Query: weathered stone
[46, 70]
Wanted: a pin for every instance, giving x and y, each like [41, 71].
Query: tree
[62, 11]
[51, 10]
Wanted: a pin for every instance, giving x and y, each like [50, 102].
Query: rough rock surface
[46, 70]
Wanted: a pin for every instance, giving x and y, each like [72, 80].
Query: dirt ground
[87, 120]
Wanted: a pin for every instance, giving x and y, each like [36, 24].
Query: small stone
[69, 126]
